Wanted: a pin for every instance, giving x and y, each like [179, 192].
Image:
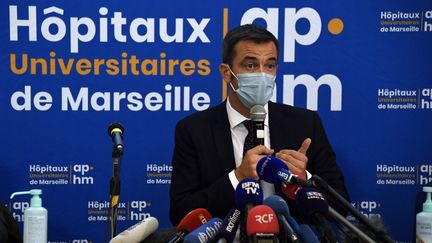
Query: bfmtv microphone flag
[69, 69]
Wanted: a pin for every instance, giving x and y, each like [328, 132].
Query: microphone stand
[115, 189]
[335, 215]
[324, 187]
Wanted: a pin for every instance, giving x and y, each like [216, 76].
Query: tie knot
[249, 125]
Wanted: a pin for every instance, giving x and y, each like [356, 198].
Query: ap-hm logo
[80, 174]
[290, 40]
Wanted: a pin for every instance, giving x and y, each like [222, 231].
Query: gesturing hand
[296, 160]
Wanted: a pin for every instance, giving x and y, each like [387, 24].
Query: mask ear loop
[232, 87]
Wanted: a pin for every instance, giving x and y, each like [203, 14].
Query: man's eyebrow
[249, 58]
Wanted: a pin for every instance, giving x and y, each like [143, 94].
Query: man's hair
[248, 32]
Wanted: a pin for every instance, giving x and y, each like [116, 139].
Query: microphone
[190, 222]
[318, 200]
[294, 225]
[229, 226]
[248, 194]
[258, 115]
[115, 131]
[290, 190]
[275, 171]
[281, 209]
[305, 232]
[377, 231]
[308, 236]
[313, 207]
[262, 225]
[137, 232]
[360, 233]
[205, 233]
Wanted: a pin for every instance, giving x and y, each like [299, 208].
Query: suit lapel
[277, 127]
[222, 139]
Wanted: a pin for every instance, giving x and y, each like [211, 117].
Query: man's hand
[296, 160]
[247, 168]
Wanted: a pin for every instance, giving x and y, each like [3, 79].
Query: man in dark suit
[9, 230]
[209, 161]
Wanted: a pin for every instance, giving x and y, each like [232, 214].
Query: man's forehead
[250, 50]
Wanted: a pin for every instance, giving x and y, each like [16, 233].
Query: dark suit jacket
[203, 157]
[9, 230]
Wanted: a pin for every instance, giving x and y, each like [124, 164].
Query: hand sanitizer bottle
[424, 219]
[35, 218]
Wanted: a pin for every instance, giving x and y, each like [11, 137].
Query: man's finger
[305, 145]
[291, 160]
[261, 149]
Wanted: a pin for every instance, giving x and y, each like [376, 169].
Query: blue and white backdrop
[69, 68]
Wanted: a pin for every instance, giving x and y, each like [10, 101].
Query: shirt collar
[235, 118]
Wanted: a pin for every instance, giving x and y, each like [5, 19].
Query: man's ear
[225, 73]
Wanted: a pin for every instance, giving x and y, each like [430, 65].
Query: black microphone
[378, 232]
[313, 207]
[115, 131]
[258, 115]
[315, 203]
[361, 234]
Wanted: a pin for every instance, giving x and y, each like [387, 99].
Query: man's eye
[271, 66]
[250, 66]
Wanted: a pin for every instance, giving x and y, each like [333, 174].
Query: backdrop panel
[69, 69]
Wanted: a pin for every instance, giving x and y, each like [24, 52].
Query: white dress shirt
[238, 136]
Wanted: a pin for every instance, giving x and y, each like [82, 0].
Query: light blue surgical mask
[254, 88]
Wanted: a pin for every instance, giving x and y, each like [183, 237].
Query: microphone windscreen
[309, 202]
[248, 192]
[278, 204]
[262, 220]
[290, 190]
[205, 233]
[193, 220]
[115, 126]
[307, 234]
[229, 225]
[137, 232]
[268, 168]
[257, 113]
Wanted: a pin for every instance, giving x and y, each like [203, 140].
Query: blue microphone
[248, 194]
[307, 235]
[281, 209]
[294, 225]
[275, 171]
[205, 233]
